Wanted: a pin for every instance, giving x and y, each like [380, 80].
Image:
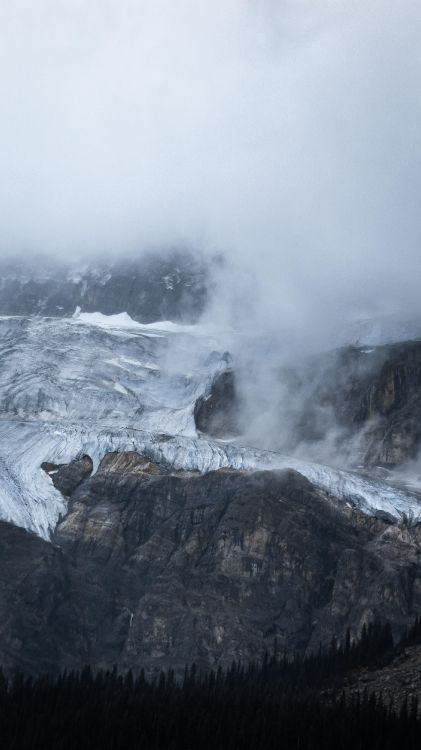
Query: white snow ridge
[95, 383]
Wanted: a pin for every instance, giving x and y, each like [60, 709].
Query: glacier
[93, 383]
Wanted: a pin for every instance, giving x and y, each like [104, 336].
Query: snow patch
[124, 321]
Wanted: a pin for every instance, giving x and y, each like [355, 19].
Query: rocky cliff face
[377, 392]
[392, 405]
[369, 398]
[152, 568]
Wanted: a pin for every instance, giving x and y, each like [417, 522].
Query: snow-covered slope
[95, 370]
[93, 384]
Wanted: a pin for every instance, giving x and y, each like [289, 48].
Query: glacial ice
[71, 386]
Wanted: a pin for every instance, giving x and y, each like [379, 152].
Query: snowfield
[123, 320]
[95, 383]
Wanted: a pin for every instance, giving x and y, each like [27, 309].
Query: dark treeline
[413, 637]
[279, 703]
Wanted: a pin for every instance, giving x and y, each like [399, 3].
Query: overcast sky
[286, 134]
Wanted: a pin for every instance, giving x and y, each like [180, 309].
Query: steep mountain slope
[154, 568]
[160, 534]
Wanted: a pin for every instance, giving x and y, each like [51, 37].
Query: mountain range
[141, 525]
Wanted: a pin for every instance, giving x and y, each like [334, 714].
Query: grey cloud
[286, 135]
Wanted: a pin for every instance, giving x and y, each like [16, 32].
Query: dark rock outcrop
[68, 477]
[152, 569]
[217, 413]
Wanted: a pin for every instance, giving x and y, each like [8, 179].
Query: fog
[285, 135]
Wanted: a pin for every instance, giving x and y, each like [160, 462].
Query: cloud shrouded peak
[286, 135]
